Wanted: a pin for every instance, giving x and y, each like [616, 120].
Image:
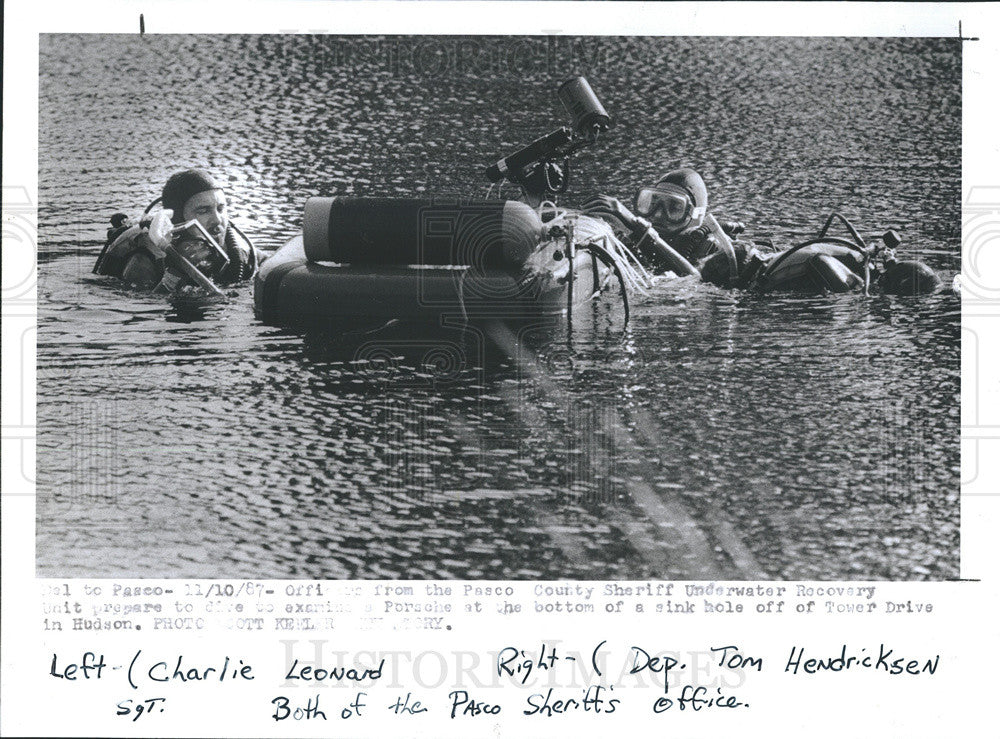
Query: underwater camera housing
[534, 167]
[188, 248]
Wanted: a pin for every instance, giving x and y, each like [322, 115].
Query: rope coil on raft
[597, 237]
[589, 231]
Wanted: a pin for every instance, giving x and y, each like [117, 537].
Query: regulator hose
[847, 224]
[238, 269]
[725, 246]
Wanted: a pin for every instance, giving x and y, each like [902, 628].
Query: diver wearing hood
[677, 206]
[210, 248]
[673, 221]
[674, 230]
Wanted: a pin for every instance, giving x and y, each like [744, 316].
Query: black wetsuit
[114, 260]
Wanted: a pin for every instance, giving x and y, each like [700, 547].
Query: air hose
[597, 237]
[858, 245]
[818, 240]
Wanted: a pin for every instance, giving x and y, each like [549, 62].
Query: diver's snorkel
[162, 233]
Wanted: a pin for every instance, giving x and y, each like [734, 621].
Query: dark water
[721, 435]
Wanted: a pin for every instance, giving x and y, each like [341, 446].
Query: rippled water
[722, 434]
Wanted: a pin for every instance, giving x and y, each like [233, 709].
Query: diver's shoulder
[141, 269]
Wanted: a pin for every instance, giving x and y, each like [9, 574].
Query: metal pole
[571, 255]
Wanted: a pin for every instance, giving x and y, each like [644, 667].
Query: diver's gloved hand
[609, 207]
[732, 229]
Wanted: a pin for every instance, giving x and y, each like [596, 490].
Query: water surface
[818, 436]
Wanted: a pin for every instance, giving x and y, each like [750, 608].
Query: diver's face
[209, 208]
[669, 208]
[669, 227]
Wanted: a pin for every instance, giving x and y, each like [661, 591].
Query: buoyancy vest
[117, 254]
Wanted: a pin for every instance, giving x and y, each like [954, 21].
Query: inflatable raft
[443, 261]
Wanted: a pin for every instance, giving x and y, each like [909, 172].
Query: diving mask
[670, 206]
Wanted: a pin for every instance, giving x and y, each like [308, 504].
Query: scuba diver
[673, 221]
[674, 230]
[190, 244]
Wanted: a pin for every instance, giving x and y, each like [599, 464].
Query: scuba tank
[838, 264]
[142, 237]
[487, 234]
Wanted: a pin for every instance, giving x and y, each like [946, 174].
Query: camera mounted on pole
[536, 167]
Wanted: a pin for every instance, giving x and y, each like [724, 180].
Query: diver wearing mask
[677, 206]
[673, 222]
[674, 230]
